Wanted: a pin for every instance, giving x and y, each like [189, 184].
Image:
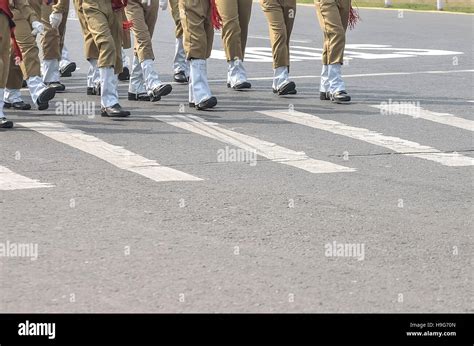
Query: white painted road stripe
[12, 181]
[414, 111]
[112, 154]
[266, 149]
[396, 144]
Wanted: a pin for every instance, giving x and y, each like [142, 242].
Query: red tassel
[215, 16]
[354, 17]
[16, 47]
[127, 25]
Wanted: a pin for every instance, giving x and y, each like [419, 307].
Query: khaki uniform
[235, 23]
[281, 17]
[4, 50]
[52, 41]
[144, 19]
[105, 26]
[90, 48]
[333, 18]
[174, 7]
[15, 75]
[198, 32]
[24, 16]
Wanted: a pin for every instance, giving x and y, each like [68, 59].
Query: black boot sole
[117, 115]
[208, 104]
[6, 125]
[23, 107]
[67, 72]
[45, 97]
[288, 89]
[136, 97]
[165, 90]
[242, 86]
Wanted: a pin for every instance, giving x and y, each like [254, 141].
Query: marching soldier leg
[4, 65]
[333, 18]
[13, 97]
[66, 66]
[126, 44]
[40, 93]
[198, 34]
[50, 42]
[105, 25]
[91, 52]
[280, 16]
[57, 16]
[144, 18]
[180, 67]
[235, 20]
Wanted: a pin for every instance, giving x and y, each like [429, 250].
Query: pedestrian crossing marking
[396, 144]
[263, 148]
[415, 111]
[115, 155]
[13, 181]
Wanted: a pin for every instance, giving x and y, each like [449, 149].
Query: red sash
[215, 16]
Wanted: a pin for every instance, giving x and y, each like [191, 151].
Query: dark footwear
[5, 124]
[324, 96]
[24, 84]
[58, 86]
[116, 111]
[162, 90]
[93, 90]
[21, 105]
[138, 97]
[67, 70]
[180, 77]
[207, 104]
[124, 75]
[44, 98]
[289, 88]
[292, 92]
[242, 86]
[340, 97]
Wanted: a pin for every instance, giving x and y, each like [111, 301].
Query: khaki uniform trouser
[15, 75]
[174, 7]
[90, 49]
[105, 26]
[52, 41]
[198, 33]
[281, 17]
[4, 50]
[30, 66]
[144, 20]
[333, 18]
[235, 19]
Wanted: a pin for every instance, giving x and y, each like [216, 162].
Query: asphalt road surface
[364, 207]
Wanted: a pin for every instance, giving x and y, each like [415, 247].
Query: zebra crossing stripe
[263, 148]
[417, 112]
[396, 144]
[13, 181]
[115, 155]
